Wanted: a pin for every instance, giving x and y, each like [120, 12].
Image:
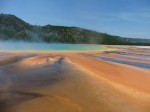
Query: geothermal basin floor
[74, 81]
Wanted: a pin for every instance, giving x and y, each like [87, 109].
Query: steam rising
[21, 45]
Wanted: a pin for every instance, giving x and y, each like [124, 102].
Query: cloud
[134, 16]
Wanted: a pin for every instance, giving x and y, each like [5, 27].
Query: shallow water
[4, 46]
[132, 55]
[138, 64]
[54, 82]
[147, 47]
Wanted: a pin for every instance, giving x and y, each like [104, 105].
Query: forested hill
[13, 28]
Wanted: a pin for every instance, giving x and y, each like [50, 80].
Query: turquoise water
[4, 46]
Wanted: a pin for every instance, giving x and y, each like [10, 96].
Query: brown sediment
[123, 74]
[75, 82]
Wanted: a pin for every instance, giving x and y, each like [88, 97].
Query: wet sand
[74, 82]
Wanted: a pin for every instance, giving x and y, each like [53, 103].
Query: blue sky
[127, 18]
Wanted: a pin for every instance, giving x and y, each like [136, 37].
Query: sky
[126, 18]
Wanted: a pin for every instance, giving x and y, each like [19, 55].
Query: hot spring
[19, 46]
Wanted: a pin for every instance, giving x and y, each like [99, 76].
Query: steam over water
[4, 46]
[69, 82]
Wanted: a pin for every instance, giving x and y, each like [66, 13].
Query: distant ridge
[13, 28]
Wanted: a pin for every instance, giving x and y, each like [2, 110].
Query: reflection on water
[132, 55]
[138, 64]
[55, 82]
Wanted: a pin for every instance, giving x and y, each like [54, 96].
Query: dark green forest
[13, 28]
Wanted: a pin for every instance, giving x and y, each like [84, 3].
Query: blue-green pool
[4, 46]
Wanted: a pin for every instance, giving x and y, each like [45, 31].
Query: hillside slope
[13, 28]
